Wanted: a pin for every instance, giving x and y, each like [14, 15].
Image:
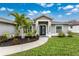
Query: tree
[22, 22]
[28, 24]
[19, 20]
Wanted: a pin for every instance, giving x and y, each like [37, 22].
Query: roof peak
[41, 15]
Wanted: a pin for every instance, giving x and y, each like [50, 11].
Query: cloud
[29, 11]
[46, 12]
[46, 4]
[59, 15]
[43, 4]
[6, 9]
[60, 8]
[68, 13]
[75, 10]
[32, 12]
[77, 6]
[10, 9]
[2, 9]
[68, 7]
[50, 5]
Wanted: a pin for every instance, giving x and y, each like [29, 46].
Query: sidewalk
[19, 48]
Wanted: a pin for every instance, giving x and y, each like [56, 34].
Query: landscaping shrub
[31, 33]
[15, 41]
[70, 34]
[37, 37]
[61, 34]
[6, 34]
[34, 32]
[32, 36]
[4, 37]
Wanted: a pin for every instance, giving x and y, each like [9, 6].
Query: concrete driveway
[22, 47]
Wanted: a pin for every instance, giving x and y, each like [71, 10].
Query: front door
[42, 30]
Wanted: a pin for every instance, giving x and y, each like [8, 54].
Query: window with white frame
[58, 29]
[71, 27]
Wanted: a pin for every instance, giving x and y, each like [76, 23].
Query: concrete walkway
[22, 47]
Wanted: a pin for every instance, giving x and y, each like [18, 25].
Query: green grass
[56, 46]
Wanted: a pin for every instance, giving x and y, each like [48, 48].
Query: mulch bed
[27, 39]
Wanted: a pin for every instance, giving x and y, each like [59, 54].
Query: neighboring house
[44, 25]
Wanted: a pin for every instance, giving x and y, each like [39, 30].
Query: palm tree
[20, 22]
[28, 25]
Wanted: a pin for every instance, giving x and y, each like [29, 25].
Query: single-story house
[44, 25]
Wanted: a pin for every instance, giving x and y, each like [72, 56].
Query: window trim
[71, 27]
[57, 26]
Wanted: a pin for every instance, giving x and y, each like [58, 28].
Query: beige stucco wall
[53, 30]
[7, 28]
[74, 28]
[65, 28]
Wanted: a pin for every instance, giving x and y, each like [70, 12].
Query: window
[58, 29]
[71, 27]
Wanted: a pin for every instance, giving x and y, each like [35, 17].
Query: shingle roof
[43, 15]
[51, 18]
[59, 23]
[73, 22]
[3, 20]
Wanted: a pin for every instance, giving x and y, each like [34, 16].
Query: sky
[58, 11]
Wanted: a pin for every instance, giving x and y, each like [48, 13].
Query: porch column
[37, 28]
[49, 27]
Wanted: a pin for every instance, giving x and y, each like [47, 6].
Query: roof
[50, 17]
[43, 15]
[73, 22]
[60, 23]
[3, 20]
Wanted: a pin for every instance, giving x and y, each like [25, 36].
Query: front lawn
[56, 46]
